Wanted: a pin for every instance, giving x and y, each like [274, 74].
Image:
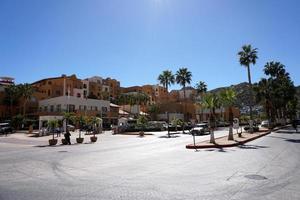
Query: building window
[78, 95]
[41, 109]
[51, 108]
[71, 108]
[84, 86]
[104, 109]
[96, 108]
[49, 92]
[49, 82]
[58, 108]
[45, 108]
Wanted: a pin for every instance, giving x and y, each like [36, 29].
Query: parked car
[71, 127]
[199, 129]
[5, 128]
[265, 123]
[296, 121]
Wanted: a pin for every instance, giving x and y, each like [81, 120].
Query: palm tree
[201, 89]
[183, 77]
[211, 102]
[248, 56]
[166, 78]
[227, 98]
[12, 94]
[26, 91]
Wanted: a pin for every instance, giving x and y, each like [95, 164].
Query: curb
[206, 146]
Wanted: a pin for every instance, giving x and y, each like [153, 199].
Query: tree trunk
[230, 135]
[251, 98]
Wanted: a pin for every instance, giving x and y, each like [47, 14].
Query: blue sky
[135, 40]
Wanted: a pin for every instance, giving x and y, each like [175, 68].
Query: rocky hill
[242, 91]
[243, 94]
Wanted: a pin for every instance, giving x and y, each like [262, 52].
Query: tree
[26, 91]
[82, 121]
[183, 77]
[248, 56]
[12, 95]
[52, 124]
[141, 122]
[201, 89]
[153, 111]
[17, 121]
[211, 102]
[69, 116]
[277, 84]
[227, 99]
[166, 78]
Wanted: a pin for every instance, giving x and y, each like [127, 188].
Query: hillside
[243, 94]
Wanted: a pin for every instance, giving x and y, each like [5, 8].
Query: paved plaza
[153, 167]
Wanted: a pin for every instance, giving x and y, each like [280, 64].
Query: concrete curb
[236, 143]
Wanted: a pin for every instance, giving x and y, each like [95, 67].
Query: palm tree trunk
[212, 134]
[251, 98]
[230, 135]
[24, 108]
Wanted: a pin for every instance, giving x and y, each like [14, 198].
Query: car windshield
[200, 125]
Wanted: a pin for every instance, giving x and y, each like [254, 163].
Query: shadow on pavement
[171, 136]
[222, 150]
[245, 146]
[292, 140]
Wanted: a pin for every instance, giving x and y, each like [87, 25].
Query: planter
[93, 139]
[141, 134]
[64, 141]
[52, 142]
[79, 140]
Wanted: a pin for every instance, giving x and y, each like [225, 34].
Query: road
[153, 167]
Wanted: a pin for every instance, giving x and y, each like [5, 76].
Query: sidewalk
[222, 142]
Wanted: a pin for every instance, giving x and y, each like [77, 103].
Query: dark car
[5, 128]
[296, 121]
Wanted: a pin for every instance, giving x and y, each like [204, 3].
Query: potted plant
[96, 123]
[81, 121]
[141, 122]
[52, 124]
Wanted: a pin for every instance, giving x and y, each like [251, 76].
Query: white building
[73, 104]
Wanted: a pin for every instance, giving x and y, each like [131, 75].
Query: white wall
[65, 100]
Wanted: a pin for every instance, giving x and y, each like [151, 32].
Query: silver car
[199, 129]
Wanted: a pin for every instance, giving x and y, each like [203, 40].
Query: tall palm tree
[166, 78]
[183, 77]
[201, 89]
[211, 102]
[248, 56]
[227, 98]
[26, 91]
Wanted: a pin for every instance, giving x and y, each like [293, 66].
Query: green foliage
[166, 78]
[247, 55]
[201, 87]
[277, 92]
[17, 121]
[142, 121]
[52, 124]
[183, 77]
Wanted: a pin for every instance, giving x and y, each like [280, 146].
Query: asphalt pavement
[153, 167]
